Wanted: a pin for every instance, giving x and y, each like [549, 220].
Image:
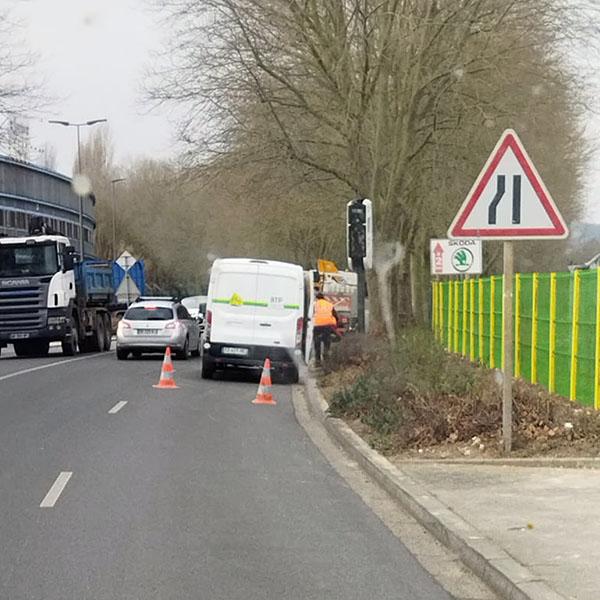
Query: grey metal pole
[114, 223]
[360, 297]
[508, 322]
[81, 246]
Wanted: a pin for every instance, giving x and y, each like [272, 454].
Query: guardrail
[557, 327]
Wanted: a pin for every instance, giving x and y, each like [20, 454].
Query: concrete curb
[493, 565]
[553, 462]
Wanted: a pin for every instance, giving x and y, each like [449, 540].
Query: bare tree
[399, 100]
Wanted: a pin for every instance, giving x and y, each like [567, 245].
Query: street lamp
[114, 218]
[79, 126]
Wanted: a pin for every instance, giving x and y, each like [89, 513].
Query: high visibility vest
[324, 314]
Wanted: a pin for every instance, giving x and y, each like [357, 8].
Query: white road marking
[54, 364]
[56, 490]
[117, 407]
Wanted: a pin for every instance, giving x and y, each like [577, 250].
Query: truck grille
[22, 309]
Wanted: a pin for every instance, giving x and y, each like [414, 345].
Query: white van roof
[250, 261]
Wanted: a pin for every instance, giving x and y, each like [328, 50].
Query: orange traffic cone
[166, 373]
[264, 396]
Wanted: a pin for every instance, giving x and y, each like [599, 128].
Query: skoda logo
[14, 282]
[462, 260]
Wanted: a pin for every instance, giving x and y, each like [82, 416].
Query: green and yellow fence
[557, 327]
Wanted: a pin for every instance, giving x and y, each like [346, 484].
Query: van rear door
[233, 296]
[280, 291]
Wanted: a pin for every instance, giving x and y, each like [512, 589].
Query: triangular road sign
[509, 199]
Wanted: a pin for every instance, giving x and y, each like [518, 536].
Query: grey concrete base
[508, 577]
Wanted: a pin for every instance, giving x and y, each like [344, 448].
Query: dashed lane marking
[56, 490]
[117, 407]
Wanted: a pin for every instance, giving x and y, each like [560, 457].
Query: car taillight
[124, 324]
[172, 325]
[299, 330]
[209, 317]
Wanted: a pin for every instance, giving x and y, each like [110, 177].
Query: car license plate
[19, 336]
[235, 351]
[147, 331]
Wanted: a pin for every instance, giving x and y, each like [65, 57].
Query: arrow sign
[509, 199]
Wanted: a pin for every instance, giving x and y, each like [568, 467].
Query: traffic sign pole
[508, 356]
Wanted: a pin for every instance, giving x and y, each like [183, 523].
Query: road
[177, 494]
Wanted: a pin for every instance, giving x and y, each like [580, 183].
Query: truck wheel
[122, 354]
[71, 345]
[208, 367]
[40, 349]
[98, 337]
[107, 333]
[22, 349]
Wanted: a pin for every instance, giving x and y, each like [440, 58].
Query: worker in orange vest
[325, 321]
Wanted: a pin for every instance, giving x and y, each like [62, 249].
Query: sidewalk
[562, 505]
[528, 532]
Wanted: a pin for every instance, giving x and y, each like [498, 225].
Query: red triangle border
[509, 140]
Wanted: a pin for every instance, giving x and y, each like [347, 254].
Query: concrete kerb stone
[493, 565]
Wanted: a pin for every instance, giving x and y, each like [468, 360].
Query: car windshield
[28, 259]
[149, 313]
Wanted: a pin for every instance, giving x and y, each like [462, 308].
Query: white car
[152, 324]
[255, 311]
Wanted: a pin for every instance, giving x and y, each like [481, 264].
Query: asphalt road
[193, 493]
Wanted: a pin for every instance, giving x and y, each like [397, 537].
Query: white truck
[47, 296]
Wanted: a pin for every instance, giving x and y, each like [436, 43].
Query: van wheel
[208, 368]
[291, 375]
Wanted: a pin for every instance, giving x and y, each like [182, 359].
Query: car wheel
[196, 352]
[71, 345]
[122, 354]
[184, 353]
[208, 367]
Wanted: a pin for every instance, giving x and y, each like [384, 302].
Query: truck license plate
[19, 336]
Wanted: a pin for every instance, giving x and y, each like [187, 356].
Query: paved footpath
[561, 505]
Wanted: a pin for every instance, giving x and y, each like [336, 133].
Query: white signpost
[508, 201]
[455, 257]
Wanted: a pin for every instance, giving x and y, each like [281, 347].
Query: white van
[255, 310]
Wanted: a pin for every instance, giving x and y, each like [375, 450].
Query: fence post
[534, 327]
[597, 352]
[472, 321]
[450, 308]
[518, 325]
[480, 289]
[575, 334]
[456, 349]
[552, 335]
[465, 313]
[434, 301]
[492, 320]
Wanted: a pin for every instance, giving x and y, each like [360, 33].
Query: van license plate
[235, 351]
[19, 336]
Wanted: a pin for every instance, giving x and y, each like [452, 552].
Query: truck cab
[37, 287]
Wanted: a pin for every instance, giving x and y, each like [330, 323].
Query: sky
[93, 56]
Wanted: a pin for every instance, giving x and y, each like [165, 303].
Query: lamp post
[114, 218]
[78, 126]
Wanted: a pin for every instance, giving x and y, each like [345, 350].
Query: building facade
[28, 190]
